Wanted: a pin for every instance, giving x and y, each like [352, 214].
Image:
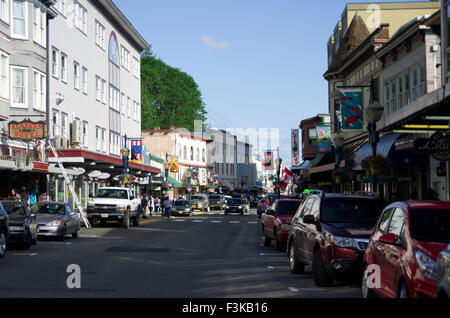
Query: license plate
[212, 206]
[180, 212]
[104, 216]
[15, 228]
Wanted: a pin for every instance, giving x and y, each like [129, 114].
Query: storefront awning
[384, 147]
[175, 183]
[303, 166]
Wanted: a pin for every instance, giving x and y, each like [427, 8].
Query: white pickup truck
[114, 204]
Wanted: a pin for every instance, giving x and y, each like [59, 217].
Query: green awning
[175, 183]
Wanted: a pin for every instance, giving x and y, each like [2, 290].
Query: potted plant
[126, 179]
[377, 164]
[365, 165]
[340, 176]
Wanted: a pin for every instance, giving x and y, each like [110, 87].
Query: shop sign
[27, 130]
[437, 145]
[40, 166]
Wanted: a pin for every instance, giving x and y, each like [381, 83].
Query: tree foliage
[170, 97]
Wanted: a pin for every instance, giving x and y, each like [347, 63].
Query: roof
[428, 204]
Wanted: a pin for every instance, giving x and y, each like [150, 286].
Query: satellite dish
[94, 174]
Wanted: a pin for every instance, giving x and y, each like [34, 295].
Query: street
[204, 256]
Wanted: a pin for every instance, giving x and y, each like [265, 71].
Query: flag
[173, 164]
[136, 150]
[268, 160]
[295, 147]
[288, 175]
[352, 109]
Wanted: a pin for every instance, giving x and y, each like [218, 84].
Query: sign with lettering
[27, 130]
[438, 145]
[40, 166]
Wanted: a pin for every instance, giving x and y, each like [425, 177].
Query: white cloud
[219, 45]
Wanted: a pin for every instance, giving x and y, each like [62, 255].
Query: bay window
[39, 90]
[19, 19]
[19, 86]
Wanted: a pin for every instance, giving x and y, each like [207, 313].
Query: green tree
[170, 97]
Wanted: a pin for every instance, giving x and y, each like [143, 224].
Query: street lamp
[374, 114]
[166, 171]
[189, 175]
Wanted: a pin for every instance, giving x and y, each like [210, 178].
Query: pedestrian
[14, 194]
[414, 196]
[144, 207]
[151, 204]
[157, 205]
[24, 195]
[168, 207]
[261, 208]
[43, 197]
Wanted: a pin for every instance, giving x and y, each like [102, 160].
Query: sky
[259, 63]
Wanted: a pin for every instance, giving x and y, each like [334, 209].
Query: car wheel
[63, 234]
[278, 245]
[403, 290]
[2, 244]
[321, 278]
[126, 220]
[295, 266]
[75, 235]
[267, 240]
[28, 241]
[136, 220]
[366, 291]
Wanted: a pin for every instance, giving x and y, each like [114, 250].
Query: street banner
[245, 180]
[288, 175]
[195, 173]
[174, 164]
[352, 109]
[295, 147]
[268, 160]
[324, 138]
[136, 150]
[216, 179]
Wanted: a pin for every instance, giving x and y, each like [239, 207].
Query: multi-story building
[246, 168]
[445, 34]
[23, 62]
[95, 86]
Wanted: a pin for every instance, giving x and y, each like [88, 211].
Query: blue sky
[259, 63]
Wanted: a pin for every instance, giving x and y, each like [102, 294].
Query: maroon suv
[331, 233]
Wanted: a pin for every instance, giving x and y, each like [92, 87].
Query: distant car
[200, 202]
[276, 222]
[23, 226]
[56, 220]
[331, 232]
[217, 202]
[443, 274]
[3, 230]
[182, 207]
[406, 245]
[235, 206]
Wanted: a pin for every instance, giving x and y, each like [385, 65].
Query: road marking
[215, 221]
[24, 254]
[252, 222]
[235, 222]
[60, 243]
[264, 254]
[277, 267]
[179, 220]
[149, 221]
[197, 221]
[295, 290]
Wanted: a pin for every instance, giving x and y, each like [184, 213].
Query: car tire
[295, 266]
[279, 246]
[28, 241]
[2, 244]
[321, 278]
[126, 220]
[403, 291]
[75, 235]
[267, 240]
[62, 237]
[366, 291]
[136, 220]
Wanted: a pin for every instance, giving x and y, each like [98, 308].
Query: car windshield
[234, 202]
[182, 203]
[49, 208]
[351, 211]
[214, 197]
[112, 194]
[196, 197]
[430, 225]
[287, 207]
[14, 208]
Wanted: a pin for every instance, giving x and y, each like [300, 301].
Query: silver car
[56, 220]
[200, 202]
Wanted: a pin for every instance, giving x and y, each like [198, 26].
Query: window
[85, 134]
[79, 17]
[393, 101]
[129, 107]
[122, 103]
[64, 126]
[85, 80]
[76, 75]
[125, 57]
[4, 75]
[55, 123]
[103, 92]
[98, 133]
[400, 92]
[4, 10]
[114, 140]
[134, 110]
[19, 86]
[418, 81]
[385, 220]
[113, 56]
[98, 89]
[312, 135]
[39, 86]
[61, 6]
[203, 155]
[64, 67]
[55, 59]
[39, 26]
[185, 153]
[19, 19]
[397, 222]
[104, 140]
[387, 98]
[136, 67]
[99, 34]
[192, 154]
[406, 83]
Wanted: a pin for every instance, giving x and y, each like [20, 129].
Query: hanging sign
[268, 160]
[27, 130]
[324, 138]
[351, 109]
[136, 150]
[295, 147]
[438, 145]
[173, 164]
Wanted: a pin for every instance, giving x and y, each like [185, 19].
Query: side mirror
[389, 238]
[309, 219]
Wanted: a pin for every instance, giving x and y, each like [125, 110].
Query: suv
[217, 202]
[276, 222]
[331, 232]
[3, 230]
[23, 226]
[200, 202]
[406, 244]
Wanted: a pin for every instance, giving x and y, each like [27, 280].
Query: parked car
[235, 206]
[331, 232]
[276, 222]
[3, 230]
[182, 207]
[23, 226]
[200, 202]
[217, 202]
[443, 274]
[56, 220]
[406, 244]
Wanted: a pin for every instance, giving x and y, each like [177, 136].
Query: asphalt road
[205, 256]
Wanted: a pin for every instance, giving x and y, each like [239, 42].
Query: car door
[311, 230]
[72, 220]
[301, 230]
[270, 221]
[393, 253]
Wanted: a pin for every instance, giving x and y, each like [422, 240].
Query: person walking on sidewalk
[157, 205]
[168, 207]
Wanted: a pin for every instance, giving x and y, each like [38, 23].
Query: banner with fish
[352, 109]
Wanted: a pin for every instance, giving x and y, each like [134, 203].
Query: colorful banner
[136, 150]
[268, 161]
[324, 138]
[245, 180]
[195, 173]
[352, 109]
[216, 179]
[295, 147]
[174, 164]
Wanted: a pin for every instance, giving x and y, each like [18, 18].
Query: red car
[276, 222]
[405, 247]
